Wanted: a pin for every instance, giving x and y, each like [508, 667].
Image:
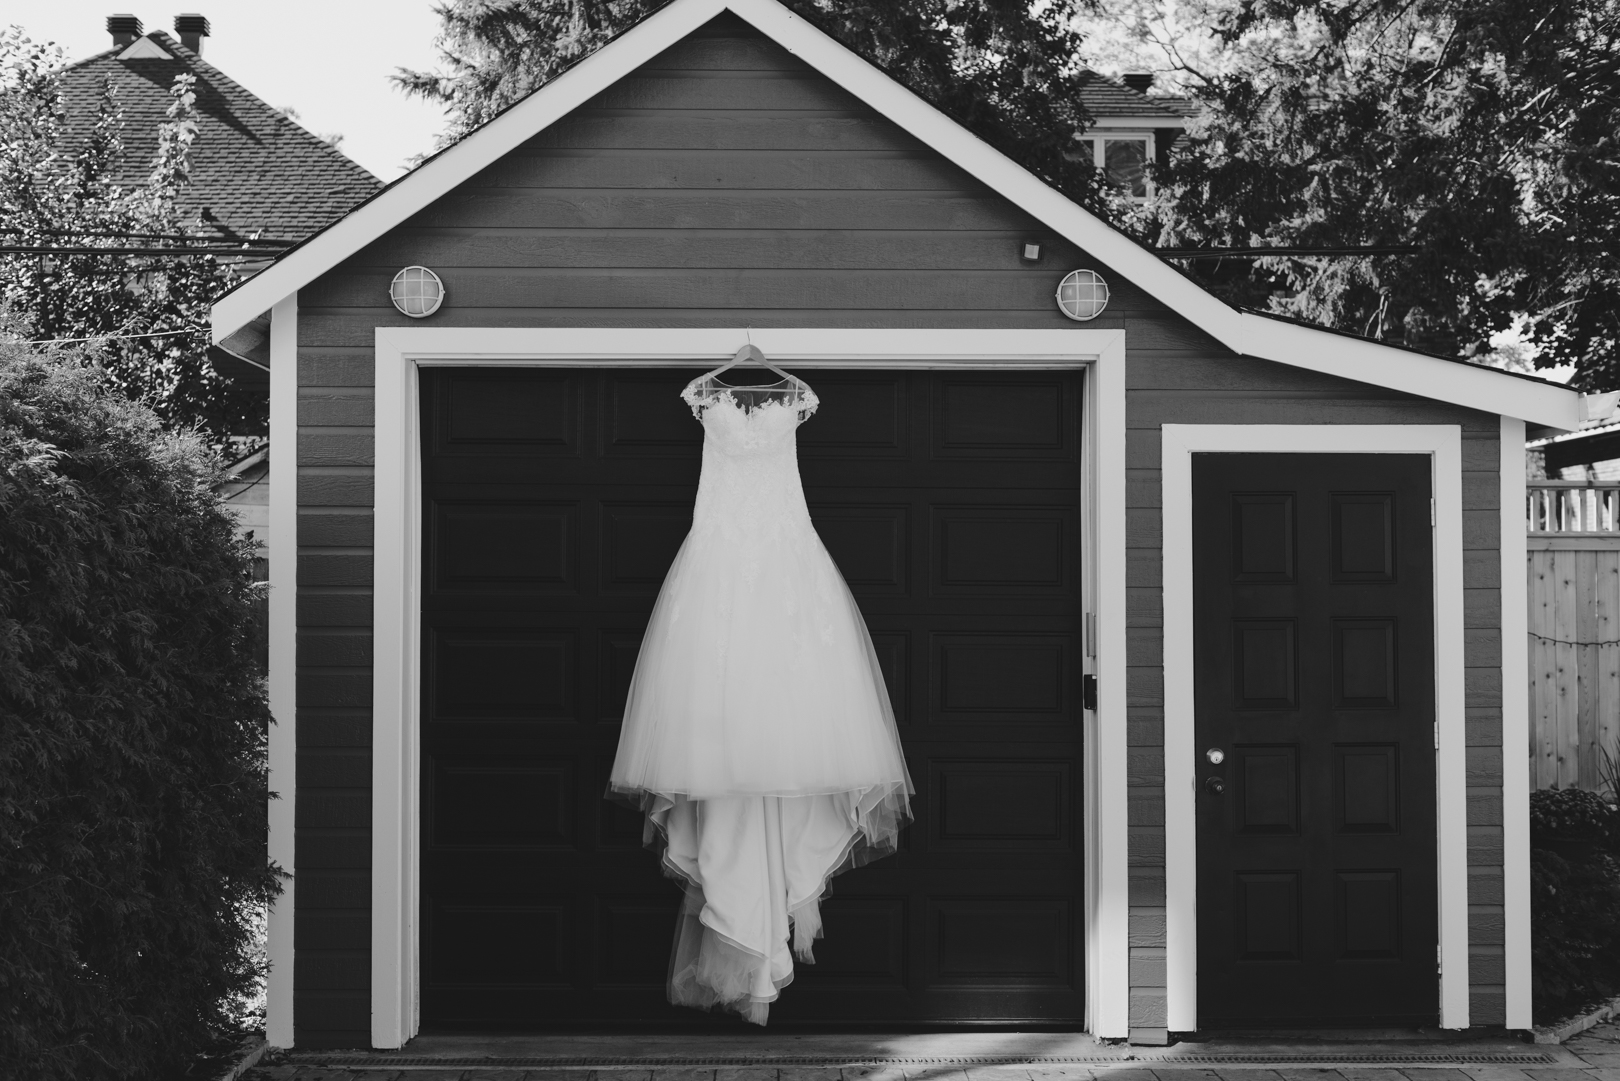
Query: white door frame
[1443, 443]
[401, 351]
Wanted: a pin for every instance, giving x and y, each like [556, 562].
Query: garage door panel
[639, 422]
[990, 676]
[869, 543]
[989, 416]
[516, 414]
[511, 546]
[861, 417]
[507, 801]
[639, 542]
[500, 673]
[958, 532]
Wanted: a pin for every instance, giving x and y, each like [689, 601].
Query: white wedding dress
[758, 736]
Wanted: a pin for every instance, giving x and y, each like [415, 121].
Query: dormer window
[1122, 157]
[1123, 160]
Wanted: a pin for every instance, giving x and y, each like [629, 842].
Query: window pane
[1123, 159]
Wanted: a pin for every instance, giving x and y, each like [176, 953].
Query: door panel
[950, 503]
[1313, 617]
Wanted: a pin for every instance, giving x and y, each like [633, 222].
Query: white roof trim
[1269, 339]
[144, 49]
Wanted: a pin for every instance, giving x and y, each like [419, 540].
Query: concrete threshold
[916, 1052]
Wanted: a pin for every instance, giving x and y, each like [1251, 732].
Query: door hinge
[1088, 692]
[1431, 513]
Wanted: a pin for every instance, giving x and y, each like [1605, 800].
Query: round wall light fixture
[1082, 295]
[417, 292]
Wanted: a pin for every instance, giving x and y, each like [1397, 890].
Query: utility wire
[108, 337]
[143, 236]
[1262, 253]
[32, 249]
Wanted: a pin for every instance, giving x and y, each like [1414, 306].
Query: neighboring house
[256, 174]
[1193, 618]
[1131, 128]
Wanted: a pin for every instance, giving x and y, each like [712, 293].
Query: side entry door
[1314, 642]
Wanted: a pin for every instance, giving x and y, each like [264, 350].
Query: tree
[147, 312]
[1483, 133]
[1006, 69]
[133, 728]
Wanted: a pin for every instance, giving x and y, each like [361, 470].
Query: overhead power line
[118, 234]
[55, 249]
[1261, 253]
[107, 337]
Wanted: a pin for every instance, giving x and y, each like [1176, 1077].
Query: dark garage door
[554, 501]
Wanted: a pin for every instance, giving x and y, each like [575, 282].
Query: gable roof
[1246, 333]
[253, 169]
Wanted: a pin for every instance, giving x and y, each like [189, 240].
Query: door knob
[1215, 785]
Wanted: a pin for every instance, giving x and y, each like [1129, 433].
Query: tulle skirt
[759, 740]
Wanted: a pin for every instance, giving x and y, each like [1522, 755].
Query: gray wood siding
[1177, 386]
[725, 184]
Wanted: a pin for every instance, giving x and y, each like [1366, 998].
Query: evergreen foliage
[1485, 133]
[1007, 70]
[55, 193]
[1574, 901]
[133, 728]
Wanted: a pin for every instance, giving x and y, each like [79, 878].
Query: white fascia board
[1253, 335]
[1398, 369]
[461, 162]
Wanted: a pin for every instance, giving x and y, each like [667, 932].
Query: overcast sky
[328, 59]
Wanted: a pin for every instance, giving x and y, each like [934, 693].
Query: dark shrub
[1575, 901]
[132, 737]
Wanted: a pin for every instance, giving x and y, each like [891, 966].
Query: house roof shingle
[253, 169]
[1106, 98]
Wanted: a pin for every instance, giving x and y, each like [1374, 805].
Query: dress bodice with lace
[758, 736]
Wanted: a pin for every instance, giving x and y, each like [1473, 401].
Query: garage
[553, 503]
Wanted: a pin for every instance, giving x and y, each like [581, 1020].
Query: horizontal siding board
[334, 768]
[747, 249]
[703, 52]
[348, 408]
[694, 170]
[344, 327]
[318, 368]
[324, 448]
[335, 609]
[733, 91]
[1487, 1006]
[336, 491]
[326, 930]
[324, 849]
[328, 569]
[720, 130]
[319, 688]
[1147, 927]
[333, 727]
[334, 808]
[346, 650]
[332, 1019]
[334, 889]
[677, 209]
[355, 528]
[1216, 407]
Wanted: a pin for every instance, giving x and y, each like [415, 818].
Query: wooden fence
[1574, 582]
